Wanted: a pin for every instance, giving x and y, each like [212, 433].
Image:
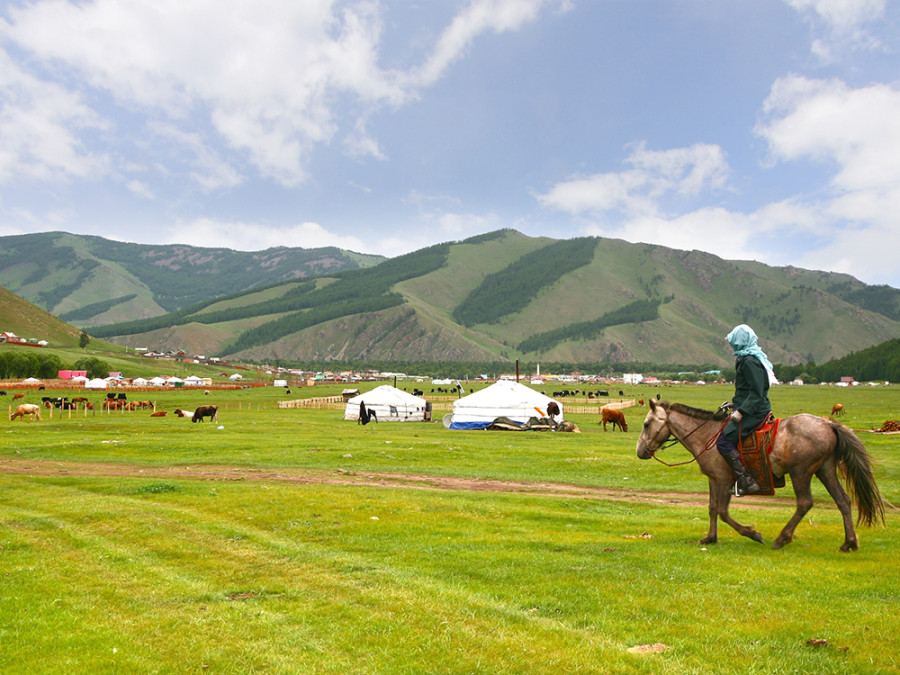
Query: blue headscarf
[743, 342]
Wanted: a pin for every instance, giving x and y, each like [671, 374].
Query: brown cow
[26, 409]
[837, 409]
[210, 411]
[18, 396]
[614, 416]
[158, 413]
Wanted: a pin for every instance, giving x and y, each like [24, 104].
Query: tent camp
[390, 405]
[504, 398]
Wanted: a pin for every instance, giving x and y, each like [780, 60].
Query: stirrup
[738, 492]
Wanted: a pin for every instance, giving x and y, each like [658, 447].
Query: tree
[95, 367]
[83, 340]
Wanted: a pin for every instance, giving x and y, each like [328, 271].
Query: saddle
[755, 449]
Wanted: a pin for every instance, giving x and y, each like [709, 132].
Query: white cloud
[684, 172]
[140, 189]
[857, 132]
[844, 23]
[240, 236]
[274, 78]
[208, 169]
[40, 123]
[478, 17]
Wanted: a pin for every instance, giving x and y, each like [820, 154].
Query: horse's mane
[696, 413]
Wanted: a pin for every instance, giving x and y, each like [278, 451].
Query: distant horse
[30, 409]
[837, 410]
[805, 445]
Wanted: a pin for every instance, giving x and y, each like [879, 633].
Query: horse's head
[655, 430]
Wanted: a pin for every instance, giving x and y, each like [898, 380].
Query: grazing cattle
[158, 413]
[641, 402]
[2, 392]
[26, 409]
[182, 413]
[79, 399]
[602, 393]
[18, 396]
[614, 416]
[552, 409]
[210, 411]
[837, 409]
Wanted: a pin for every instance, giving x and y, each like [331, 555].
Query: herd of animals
[610, 416]
[111, 402]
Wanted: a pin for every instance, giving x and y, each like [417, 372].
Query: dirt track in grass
[296, 476]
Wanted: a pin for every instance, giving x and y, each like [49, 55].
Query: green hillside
[504, 295]
[92, 281]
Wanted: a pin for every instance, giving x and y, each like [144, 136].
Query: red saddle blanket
[755, 449]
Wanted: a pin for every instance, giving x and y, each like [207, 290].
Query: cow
[26, 409]
[614, 416]
[837, 409]
[158, 413]
[641, 402]
[210, 411]
[552, 409]
[181, 413]
[18, 396]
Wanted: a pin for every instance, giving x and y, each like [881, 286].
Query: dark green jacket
[751, 397]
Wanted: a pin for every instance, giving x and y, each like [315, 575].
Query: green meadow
[291, 541]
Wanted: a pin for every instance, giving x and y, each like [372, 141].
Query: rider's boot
[746, 485]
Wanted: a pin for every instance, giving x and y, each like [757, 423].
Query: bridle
[667, 443]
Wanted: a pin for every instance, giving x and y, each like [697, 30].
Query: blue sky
[752, 129]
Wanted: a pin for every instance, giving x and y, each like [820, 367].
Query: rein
[668, 444]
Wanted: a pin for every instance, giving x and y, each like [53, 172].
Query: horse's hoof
[708, 540]
[849, 546]
[756, 536]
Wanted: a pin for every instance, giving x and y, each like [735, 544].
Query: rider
[751, 406]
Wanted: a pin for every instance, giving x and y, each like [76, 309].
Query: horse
[34, 411]
[805, 445]
[837, 409]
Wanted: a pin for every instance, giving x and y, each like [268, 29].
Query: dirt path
[298, 476]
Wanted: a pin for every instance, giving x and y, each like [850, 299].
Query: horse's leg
[719, 499]
[800, 480]
[712, 536]
[828, 476]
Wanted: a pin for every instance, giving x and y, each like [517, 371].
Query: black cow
[210, 411]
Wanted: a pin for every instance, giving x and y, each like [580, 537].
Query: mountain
[504, 295]
[90, 281]
[29, 321]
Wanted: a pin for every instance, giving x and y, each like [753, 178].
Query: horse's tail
[857, 466]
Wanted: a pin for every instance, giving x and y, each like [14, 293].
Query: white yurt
[389, 405]
[96, 383]
[504, 398]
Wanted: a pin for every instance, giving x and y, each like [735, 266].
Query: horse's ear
[652, 404]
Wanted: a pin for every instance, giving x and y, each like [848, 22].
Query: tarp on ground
[504, 398]
[389, 404]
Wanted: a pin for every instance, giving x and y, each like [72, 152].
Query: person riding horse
[750, 405]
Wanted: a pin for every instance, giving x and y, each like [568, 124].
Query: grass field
[290, 541]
